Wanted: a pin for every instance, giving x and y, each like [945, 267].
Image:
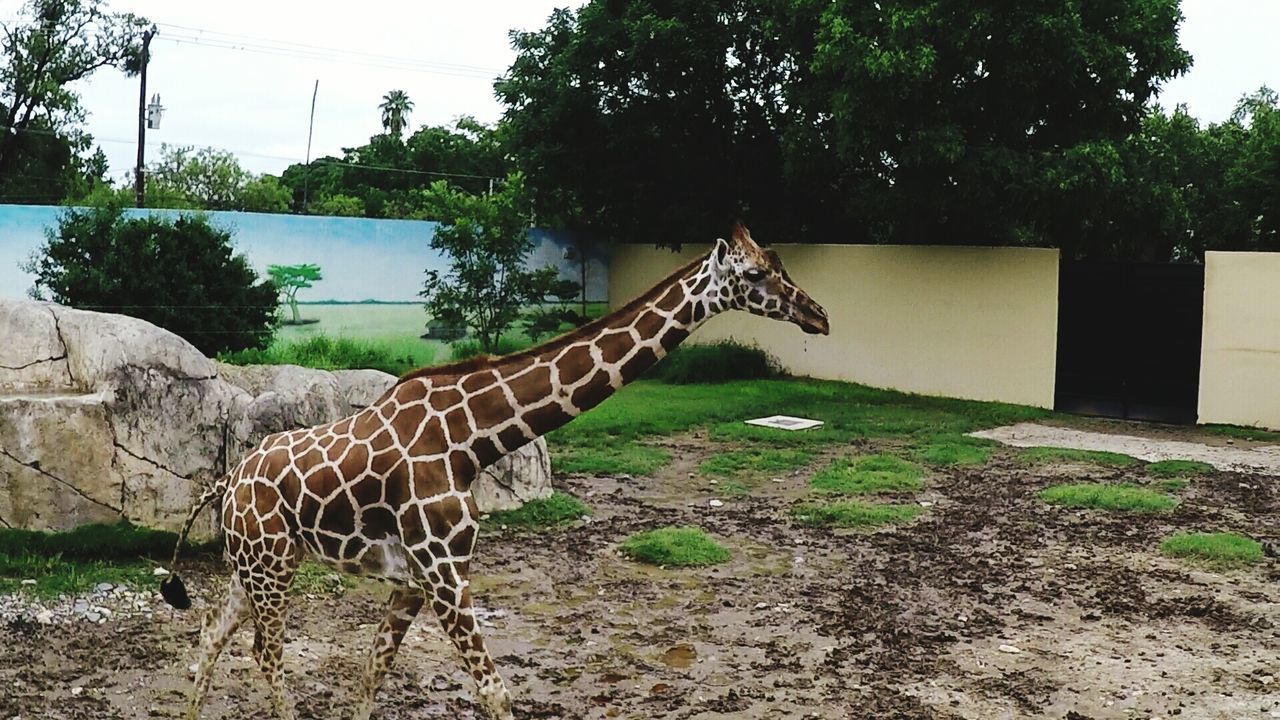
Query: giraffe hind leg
[402, 608]
[218, 628]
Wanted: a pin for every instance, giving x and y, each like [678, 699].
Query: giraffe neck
[511, 401]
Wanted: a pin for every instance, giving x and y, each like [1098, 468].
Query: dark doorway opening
[1129, 340]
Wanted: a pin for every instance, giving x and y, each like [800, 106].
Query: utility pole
[138, 190]
[306, 176]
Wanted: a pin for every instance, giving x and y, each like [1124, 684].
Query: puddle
[680, 656]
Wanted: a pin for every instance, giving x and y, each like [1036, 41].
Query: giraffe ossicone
[386, 492]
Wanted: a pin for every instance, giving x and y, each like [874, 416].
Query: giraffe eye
[754, 274]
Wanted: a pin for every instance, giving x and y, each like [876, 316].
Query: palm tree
[396, 107]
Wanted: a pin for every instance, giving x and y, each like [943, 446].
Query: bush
[178, 274]
[715, 363]
[469, 348]
[324, 353]
[122, 540]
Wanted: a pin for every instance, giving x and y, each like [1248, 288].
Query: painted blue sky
[361, 258]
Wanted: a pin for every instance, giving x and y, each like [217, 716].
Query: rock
[104, 417]
[92, 616]
[1009, 649]
[76, 691]
[159, 572]
[103, 587]
[45, 617]
[715, 503]
[29, 581]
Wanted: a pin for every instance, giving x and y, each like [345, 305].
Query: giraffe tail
[172, 589]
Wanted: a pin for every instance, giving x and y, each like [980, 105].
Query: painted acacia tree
[486, 240]
[289, 279]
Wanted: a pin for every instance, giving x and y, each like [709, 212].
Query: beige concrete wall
[1240, 348]
[966, 322]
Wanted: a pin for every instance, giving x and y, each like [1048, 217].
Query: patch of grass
[558, 509]
[1036, 455]
[715, 363]
[754, 462]
[733, 488]
[1101, 496]
[949, 450]
[1171, 484]
[625, 457]
[867, 475]
[316, 579]
[1179, 468]
[674, 546]
[1222, 550]
[1241, 432]
[647, 408]
[470, 347]
[76, 560]
[853, 514]
[325, 353]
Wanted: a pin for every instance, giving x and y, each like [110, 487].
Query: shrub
[715, 363]
[179, 274]
[99, 541]
[469, 348]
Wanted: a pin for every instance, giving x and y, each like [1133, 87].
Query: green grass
[733, 488]
[1038, 455]
[853, 514]
[952, 450]
[867, 475]
[648, 408]
[715, 363]
[1178, 468]
[558, 509]
[325, 353]
[1171, 484]
[1100, 496]
[1241, 432]
[316, 579]
[469, 348]
[756, 462]
[1223, 551]
[605, 458]
[76, 560]
[674, 546]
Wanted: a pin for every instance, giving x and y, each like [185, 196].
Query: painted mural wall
[362, 259]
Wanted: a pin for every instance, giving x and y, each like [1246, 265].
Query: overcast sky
[254, 98]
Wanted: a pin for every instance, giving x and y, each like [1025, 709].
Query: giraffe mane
[481, 362]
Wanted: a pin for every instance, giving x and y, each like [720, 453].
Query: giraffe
[385, 493]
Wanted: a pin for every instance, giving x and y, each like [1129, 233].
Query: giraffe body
[386, 493]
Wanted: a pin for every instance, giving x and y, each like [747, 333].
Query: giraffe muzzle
[811, 317]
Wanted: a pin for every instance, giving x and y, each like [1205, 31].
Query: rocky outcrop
[106, 416]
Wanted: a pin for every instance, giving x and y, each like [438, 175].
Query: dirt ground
[991, 605]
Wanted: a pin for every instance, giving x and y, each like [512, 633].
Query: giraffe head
[753, 279]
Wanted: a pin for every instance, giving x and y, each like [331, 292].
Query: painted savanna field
[690, 566]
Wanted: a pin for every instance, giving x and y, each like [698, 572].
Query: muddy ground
[990, 605]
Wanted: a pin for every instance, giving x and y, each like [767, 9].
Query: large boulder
[105, 417]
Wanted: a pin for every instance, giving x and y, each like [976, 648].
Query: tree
[210, 179]
[179, 274]
[895, 121]
[289, 279]
[486, 238]
[396, 107]
[54, 44]
[340, 205]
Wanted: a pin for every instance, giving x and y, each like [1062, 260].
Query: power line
[286, 45]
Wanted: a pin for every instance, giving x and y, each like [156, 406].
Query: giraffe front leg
[451, 601]
[218, 627]
[402, 608]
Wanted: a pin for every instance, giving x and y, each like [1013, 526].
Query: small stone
[715, 482]
[762, 605]
[80, 607]
[716, 503]
[193, 668]
[29, 582]
[925, 503]
[1008, 649]
[103, 587]
[798, 560]
[159, 572]
[92, 616]
[777, 480]
[1266, 679]
[75, 691]
[45, 617]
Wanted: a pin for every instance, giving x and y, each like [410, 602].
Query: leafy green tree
[486, 239]
[210, 179]
[896, 121]
[395, 108]
[180, 274]
[289, 279]
[45, 157]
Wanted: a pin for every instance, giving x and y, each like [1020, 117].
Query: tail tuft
[175, 592]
